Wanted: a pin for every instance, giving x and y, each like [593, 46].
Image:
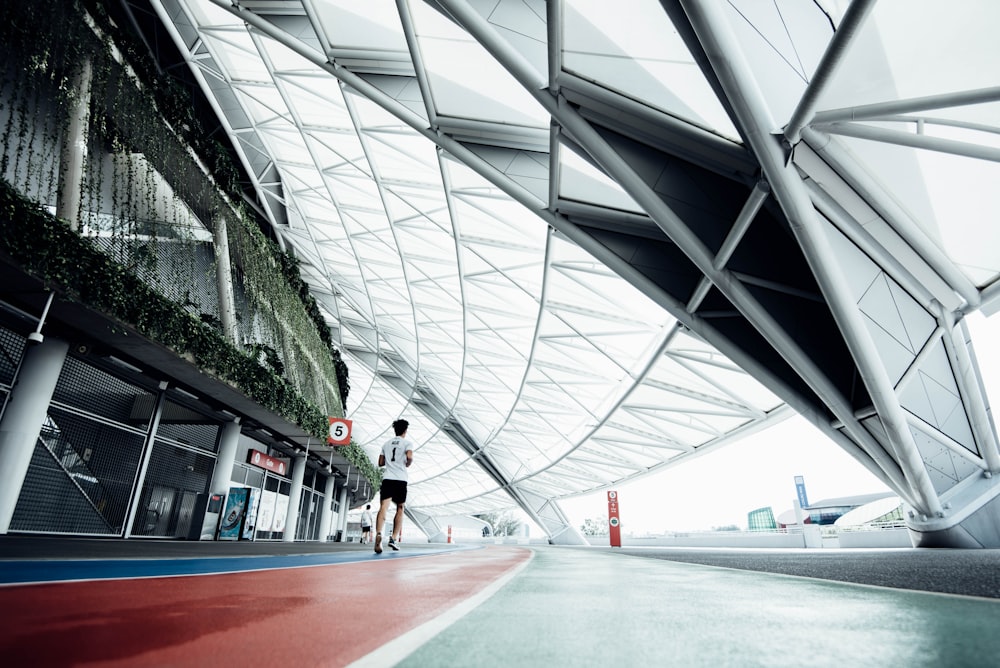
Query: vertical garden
[133, 230]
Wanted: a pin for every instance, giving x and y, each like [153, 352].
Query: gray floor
[968, 572]
[587, 607]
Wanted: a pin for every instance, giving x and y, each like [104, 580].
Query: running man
[366, 524]
[396, 457]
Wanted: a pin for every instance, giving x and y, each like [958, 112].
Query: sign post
[800, 491]
[340, 431]
[614, 524]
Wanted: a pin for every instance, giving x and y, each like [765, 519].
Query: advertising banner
[250, 523]
[265, 511]
[232, 515]
[800, 491]
[280, 510]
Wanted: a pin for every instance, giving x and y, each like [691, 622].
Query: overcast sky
[720, 488]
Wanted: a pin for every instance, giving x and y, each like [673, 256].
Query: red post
[449, 533]
[614, 525]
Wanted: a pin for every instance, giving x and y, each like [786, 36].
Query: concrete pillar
[222, 474]
[224, 281]
[24, 416]
[73, 153]
[326, 517]
[342, 516]
[799, 516]
[294, 495]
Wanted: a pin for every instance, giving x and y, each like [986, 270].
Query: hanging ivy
[48, 249]
[155, 187]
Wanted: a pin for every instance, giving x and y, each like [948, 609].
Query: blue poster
[232, 517]
[253, 500]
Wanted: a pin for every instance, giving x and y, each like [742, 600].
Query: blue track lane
[56, 570]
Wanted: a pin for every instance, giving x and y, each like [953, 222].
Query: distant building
[761, 519]
[879, 514]
[828, 511]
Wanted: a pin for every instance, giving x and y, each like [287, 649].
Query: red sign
[340, 431]
[258, 458]
[614, 524]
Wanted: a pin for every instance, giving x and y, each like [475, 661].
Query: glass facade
[761, 519]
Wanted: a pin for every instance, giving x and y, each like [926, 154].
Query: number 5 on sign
[340, 431]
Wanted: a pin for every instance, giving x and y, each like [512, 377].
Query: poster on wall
[280, 510]
[265, 511]
[250, 523]
[232, 515]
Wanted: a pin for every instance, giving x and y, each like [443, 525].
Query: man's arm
[381, 459]
[409, 458]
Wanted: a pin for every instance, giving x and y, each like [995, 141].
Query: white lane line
[396, 650]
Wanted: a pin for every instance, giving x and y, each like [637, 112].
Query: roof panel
[509, 348]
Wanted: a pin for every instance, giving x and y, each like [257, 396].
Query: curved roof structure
[564, 241]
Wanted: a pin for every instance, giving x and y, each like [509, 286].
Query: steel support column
[23, 418]
[722, 49]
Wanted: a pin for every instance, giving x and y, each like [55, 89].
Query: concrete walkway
[572, 607]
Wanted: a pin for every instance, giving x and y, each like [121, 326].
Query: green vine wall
[154, 188]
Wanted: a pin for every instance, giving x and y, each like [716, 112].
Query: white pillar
[224, 280]
[24, 416]
[73, 153]
[342, 517]
[326, 517]
[222, 474]
[799, 518]
[294, 495]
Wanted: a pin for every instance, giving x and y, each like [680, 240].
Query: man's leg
[380, 519]
[397, 522]
[379, 523]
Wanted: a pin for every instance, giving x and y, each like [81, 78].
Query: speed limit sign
[340, 431]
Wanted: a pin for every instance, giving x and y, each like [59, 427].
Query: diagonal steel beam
[839, 46]
[619, 169]
[890, 211]
[943, 101]
[925, 142]
[722, 48]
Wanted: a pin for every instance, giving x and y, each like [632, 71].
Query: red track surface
[318, 616]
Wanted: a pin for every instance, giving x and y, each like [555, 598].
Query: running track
[304, 613]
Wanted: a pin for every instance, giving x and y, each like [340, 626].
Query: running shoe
[392, 544]
[378, 543]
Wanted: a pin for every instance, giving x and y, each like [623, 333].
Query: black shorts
[393, 489]
[366, 528]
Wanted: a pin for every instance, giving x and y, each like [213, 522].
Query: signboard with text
[800, 491]
[340, 432]
[614, 523]
[264, 461]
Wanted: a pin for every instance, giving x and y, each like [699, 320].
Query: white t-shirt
[366, 518]
[394, 452]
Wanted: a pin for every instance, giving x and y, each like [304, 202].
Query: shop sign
[273, 464]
